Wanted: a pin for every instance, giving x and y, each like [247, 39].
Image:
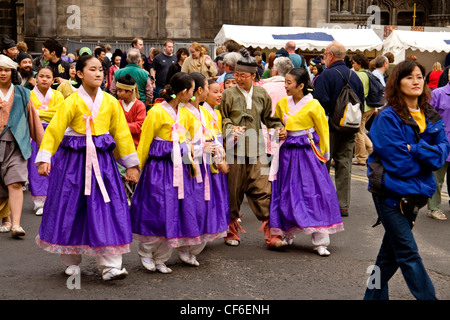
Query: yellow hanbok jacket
[211, 122]
[158, 123]
[311, 115]
[110, 119]
[56, 100]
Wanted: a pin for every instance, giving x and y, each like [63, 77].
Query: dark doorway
[406, 18]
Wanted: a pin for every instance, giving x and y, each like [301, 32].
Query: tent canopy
[418, 40]
[271, 37]
[427, 46]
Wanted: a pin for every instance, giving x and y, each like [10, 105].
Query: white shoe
[148, 263]
[72, 269]
[322, 251]
[114, 274]
[184, 256]
[194, 261]
[280, 243]
[39, 211]
[187, 258]
[163, 268]
[232, 243]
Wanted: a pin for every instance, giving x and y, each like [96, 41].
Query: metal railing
[73, 45]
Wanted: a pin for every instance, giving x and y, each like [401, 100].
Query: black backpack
[348, 109]
[375, 97]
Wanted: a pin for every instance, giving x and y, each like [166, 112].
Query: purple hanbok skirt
[303, 195]
[74, 223]
[38, 185]
[156, 212]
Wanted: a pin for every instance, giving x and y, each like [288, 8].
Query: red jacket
[135, 118]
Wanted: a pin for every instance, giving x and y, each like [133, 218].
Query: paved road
[247, 272]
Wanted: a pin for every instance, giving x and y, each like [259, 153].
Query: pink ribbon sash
[91, 153]
[275, 148]
[200, 136]
[92, 161]
[45, 101]
[176, 129]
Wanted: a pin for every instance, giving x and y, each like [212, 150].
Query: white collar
[211, 110]
[94, 106]
[127, 107]
[248, 96]
[8, 94]
[44, 100]
[295, 108]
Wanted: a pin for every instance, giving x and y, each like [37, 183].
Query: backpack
[375, 97]
[347, 113]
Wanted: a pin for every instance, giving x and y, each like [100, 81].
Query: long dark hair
[362, 60]
[199, 80]
[15, 77]
[301, 76]
[394, 95]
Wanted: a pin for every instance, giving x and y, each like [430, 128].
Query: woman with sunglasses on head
[409, 143]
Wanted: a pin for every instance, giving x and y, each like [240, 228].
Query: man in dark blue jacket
[327, 89]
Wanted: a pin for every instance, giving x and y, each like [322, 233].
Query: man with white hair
[327, 89]
[229, 62]
[275, 84]
[139, 75]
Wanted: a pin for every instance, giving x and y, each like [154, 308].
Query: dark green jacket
[139, 75]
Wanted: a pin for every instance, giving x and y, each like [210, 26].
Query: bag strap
[349, 76]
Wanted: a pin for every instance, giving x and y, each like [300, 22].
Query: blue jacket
[407, 173]
[328, 86]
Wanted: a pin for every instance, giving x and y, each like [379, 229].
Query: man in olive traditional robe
[244, 107]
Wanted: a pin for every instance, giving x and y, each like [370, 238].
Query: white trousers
[159, 251]
[193, 250]
[320, 239]
[104, 263]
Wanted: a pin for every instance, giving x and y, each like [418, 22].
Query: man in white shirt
[381, 65]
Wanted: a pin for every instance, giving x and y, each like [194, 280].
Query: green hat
[85, 50]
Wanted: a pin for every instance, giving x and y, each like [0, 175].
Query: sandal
[6, 227]
[437, 214]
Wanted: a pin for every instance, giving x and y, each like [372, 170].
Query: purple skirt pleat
[79, 224]
[38, 185]
[303, 195]
[218, 207]
[156, 210]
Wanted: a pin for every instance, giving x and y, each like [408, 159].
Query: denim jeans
[399, 249]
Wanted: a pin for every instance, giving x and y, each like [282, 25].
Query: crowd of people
[194, 135]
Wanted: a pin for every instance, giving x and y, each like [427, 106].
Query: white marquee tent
[307, 39]
[429, 47]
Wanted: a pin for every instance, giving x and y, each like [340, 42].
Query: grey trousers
[341, 151]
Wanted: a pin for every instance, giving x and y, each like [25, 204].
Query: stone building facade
[194, 20]
[435, 13]
[156, 20]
